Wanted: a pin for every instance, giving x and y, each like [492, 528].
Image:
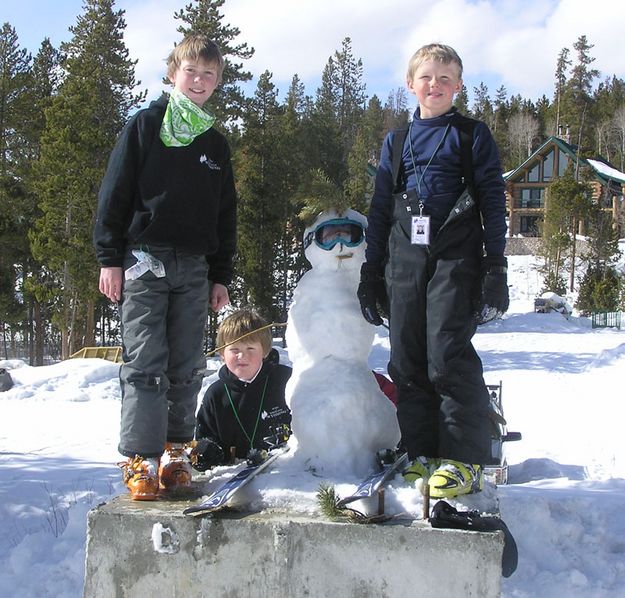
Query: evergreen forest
[61, 110]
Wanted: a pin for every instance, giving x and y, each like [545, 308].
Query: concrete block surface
[152, 549]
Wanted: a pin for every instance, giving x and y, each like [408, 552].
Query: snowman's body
[340, 416]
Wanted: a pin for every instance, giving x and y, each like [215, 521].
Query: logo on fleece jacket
[210, 163]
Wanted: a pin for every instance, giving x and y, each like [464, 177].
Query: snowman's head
[336, 240]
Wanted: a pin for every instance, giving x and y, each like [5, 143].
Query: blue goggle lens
[343, 231]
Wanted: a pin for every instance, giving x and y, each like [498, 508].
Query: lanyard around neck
[414, 165]
[260, 409]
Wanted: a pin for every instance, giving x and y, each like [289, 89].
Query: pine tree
[228, 102]
[568, 202]
[562, 66]
[461, 101]
[482, 106]
[602, 287]
[579, 88]
[293, 128]
[260, 211]
[14, 82]
[396, 112]
[45, 81]
[82, 123]
[14, 78]
[338, 108]
[363, 157]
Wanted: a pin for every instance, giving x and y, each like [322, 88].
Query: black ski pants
[443, 402]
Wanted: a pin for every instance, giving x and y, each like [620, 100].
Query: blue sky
[514, 43]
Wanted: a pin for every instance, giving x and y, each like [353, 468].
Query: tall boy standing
[437, 253]
[165, 238]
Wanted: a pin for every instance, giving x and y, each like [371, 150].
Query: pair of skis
[389, 462]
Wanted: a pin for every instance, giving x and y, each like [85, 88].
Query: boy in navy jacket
[435, 259]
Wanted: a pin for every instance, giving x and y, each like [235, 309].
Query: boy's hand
[218, 296]
[372, 293]
[495, 295]
[111, 282]
[206, 454]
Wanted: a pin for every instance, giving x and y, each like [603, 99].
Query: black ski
[255, 465]
[390, 462]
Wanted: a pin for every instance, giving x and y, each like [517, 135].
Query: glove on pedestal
[206, 454]
[495, 297]
[372, 293]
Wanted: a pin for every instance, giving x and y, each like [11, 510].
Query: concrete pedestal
[152, 549]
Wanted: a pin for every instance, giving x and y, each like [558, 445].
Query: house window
[531, 198]
[563, 162]
[529, 226]
[548, 166]
[534, 174]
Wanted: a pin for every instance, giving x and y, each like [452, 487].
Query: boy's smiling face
[196, 79]
[434, 84]
[244, 358]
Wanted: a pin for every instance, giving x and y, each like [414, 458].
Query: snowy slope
[562, 388]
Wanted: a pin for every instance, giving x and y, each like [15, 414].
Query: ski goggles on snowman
[339, 230]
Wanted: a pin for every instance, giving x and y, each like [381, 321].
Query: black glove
[372, 293]
[206, 454]
[495, 298]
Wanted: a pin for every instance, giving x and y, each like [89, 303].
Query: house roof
[603, 171]
[606, 170]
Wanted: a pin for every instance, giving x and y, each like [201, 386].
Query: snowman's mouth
[344, 256]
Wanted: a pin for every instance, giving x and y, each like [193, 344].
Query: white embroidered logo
[210, 163]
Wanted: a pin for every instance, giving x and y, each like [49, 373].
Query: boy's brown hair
[246, 325]
[438, 52]
[194, 47]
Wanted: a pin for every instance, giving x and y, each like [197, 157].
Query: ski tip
[197, 511]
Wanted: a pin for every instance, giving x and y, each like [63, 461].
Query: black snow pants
[443, 402]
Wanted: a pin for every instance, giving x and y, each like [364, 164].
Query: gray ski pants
[163, 362]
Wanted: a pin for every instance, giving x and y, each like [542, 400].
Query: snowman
[340, 416]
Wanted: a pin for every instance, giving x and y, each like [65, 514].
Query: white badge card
[420, 234]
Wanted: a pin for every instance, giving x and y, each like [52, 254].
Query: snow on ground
[565, 501]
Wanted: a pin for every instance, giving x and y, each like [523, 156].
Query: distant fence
[606, 319]
[111, 353]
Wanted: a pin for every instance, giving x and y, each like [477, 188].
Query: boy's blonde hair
[438, 52]
[195, 47]
[246, 325]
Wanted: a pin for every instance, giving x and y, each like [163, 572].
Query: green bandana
[183, 121]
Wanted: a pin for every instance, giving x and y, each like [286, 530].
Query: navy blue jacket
[178, 197]
[439, 184]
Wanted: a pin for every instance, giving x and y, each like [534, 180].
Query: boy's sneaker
[453, 478]
[175, 471]
[420, 469]
[141, 477]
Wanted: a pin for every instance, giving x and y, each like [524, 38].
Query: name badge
[420, 233]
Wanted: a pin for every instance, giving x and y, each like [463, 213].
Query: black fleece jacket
[178, 197]
[216, 417]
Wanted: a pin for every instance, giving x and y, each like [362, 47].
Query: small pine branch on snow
[328, 504]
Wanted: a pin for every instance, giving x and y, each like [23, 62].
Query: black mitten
[372, 293]
[206, 454]
[495, 298]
